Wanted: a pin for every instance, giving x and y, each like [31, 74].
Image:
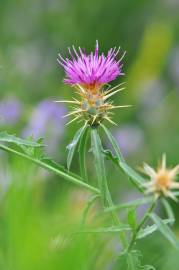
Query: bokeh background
[37, 206]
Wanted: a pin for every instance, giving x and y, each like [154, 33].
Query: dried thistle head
[90, 75]
[163, 180]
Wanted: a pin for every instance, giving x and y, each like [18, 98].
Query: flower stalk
[142, 222]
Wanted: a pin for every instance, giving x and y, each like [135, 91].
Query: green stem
[52, 169]
[82, 155]
[115, 216]
[101, 174]
[143, 220]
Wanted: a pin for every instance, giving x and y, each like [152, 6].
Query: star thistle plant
[90, 74]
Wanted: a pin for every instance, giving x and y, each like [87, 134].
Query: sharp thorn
[108, 119]
[113, 93]
[67, 101]
[113, 88]
[73, 120]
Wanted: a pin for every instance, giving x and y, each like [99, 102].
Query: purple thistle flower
[92, 70]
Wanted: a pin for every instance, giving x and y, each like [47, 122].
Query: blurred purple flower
[174, 65]
[152, 94]
[172, 4]
[130, 138]
[47, 121]
[10, 111]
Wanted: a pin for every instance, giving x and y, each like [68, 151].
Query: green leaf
[37, 152]
[112, 229]
[136, 178]
[72, 146]
[99, 162]
[150, 229]
[168, 210]
[51, 166]
[165, 230]
[113, 142]
[132, 218]
[131, 204]
[82, 155]
[109, 156]
[5, 137]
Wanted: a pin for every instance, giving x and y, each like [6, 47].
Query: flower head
[89, 74]
[92, 70]
[163, 180]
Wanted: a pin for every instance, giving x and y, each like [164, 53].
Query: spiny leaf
[5, 137]
[51, 166]
[36, 152]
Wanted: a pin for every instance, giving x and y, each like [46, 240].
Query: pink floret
[92, 69]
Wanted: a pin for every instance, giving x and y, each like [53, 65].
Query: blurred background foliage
[37, 209]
